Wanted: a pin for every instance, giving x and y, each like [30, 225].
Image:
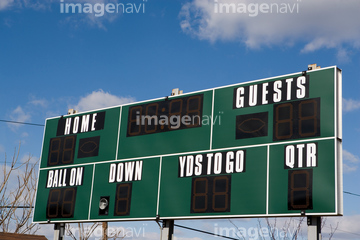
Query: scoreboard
[265, 148]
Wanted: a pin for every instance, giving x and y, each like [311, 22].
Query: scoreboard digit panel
[293, 107]
[81, 138]
[214, 184]
[174, 124]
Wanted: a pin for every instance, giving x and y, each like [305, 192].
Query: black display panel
[210, 194]
[167, 115]
[61, 150]
[61, 203]
[123, 199]
[252, 125]
[300, 189]
[298, 119]
[89, 147]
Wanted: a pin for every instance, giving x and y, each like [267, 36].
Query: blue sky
[51, 61]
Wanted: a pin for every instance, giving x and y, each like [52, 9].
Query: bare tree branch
[17, 188]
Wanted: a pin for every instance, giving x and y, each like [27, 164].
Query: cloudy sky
[52, 59]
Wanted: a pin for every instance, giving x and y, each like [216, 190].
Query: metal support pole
[59, 230]
[105, 230]
[314, 228]
[167, 230]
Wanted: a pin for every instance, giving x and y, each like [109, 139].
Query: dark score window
[300, 189]
[61, 150]
[298, 119]
[167, 115]
[61, 203]
[123, 199]
[252, 125]
[210, 194]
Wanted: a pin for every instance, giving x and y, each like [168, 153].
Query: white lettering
[252, 95]
[209, 159]
[93, 122]
[138, 170]
[60, 177]
[182, 165]
[56, 177]
[79, 176]
[129, 169]
[85, 123]
[112, 173]
[50, 178]
[288, 84]
[120, 172]
[297, 155]
[198, 161]
[229, 163]
[67, 126]
[311, 155]
[76, 125]
[240, 161]
[189, 165]
[64, 178]
[277, 94]
[300, 148]
[264, 93]
[301, 92]
[290, 156]
[217, 163]
[239, 98]
[72, 176]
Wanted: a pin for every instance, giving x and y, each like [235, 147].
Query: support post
[105, 230]
[167, 230]
[59, 230]
[314, 228]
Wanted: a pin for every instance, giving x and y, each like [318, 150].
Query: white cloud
[75, 19]
[350, 161]
[32, 4]
[350, 105]
[347, 227]
[317, 23]
[5, 4]
[97, 18]
[37, 4]
[100, 99]
[38, 102]
[18, 115]
[350, 157]
[343, 55]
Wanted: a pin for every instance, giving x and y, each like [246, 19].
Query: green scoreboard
[265, 148]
